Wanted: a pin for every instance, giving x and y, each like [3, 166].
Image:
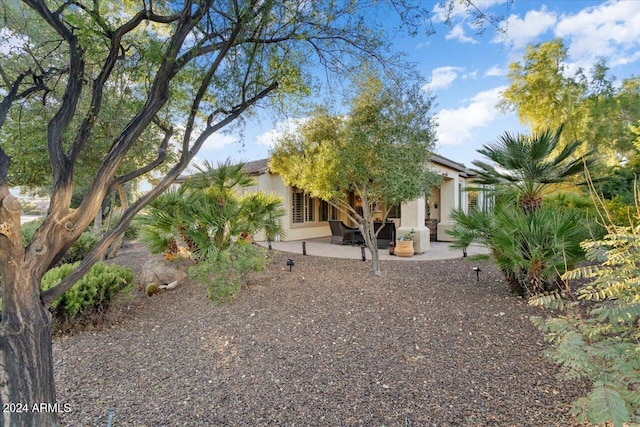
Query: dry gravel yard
[324, 345]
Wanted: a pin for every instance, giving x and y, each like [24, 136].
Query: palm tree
[530, 164]
[211, 211]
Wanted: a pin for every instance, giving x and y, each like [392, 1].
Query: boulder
[158, 271]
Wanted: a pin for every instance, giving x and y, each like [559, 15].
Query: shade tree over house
[379, 150]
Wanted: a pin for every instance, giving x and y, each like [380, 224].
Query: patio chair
[387, 234]
[342, 233]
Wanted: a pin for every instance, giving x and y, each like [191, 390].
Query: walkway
[322, 247]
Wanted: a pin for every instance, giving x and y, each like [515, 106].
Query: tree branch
[162, 155]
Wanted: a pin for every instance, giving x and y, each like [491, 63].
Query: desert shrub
[601, 341]
[132, 231]
[224, 272]
[93, 293]
[208, 213]
[30, 208]
[621, 211]
[531, 249]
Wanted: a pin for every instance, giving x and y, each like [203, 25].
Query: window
[472, 201]
[302, 207]
[297, 205]
[327, 212]
[309, 212]
[395, 212]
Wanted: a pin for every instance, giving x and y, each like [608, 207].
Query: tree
[530, 164]
[221, 58]
[210, 211]
[380, 151]
[590, 107]
[541, 94]
[529, 243]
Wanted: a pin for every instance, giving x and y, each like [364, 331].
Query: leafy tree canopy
[592, 108]
[380, 150]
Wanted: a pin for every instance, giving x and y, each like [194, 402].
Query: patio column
[413, 216]
[449, 197]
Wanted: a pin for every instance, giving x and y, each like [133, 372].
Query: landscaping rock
[158, 271]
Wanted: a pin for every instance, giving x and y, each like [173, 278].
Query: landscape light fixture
[290, 263]
[477, 270]
[364, 255]
[304, 248]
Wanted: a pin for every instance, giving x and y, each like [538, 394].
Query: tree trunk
[124, 204]
[97, 223]
[370, 240]
[27, 389]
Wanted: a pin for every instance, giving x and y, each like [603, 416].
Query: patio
[322, 247]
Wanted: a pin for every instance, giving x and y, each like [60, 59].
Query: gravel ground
[326, 344]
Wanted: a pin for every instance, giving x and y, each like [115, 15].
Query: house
[308, 217]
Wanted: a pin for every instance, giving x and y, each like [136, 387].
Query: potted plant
[404, 245]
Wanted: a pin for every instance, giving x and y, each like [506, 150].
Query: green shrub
[30, 208]
[531, 249]
[224, 272]
[621, 212]
[93, 293]
[602, 344]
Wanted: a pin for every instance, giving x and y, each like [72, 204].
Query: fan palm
[530, 164]
[210, 211]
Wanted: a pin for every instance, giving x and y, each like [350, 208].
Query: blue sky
[467, 71]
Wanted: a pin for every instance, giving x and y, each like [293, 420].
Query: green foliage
[532, 243]
[530, 164]
[224, 272]
[30, 208]
[592, 107]
[80, 248]
[29, 229]
[209, 212]
[92, 293]
[531, 249]
[602, 344]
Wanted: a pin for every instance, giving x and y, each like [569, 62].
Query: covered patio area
[322, 247]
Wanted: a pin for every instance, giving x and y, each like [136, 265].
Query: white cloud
[456, 126]
[442, 77]
[472, 75]
[495, 71]
[458, 33]
[610, 30]
[520, 32]
[219, 141]
[270, 137]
